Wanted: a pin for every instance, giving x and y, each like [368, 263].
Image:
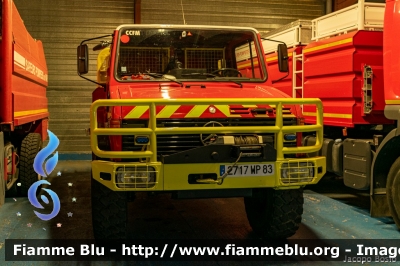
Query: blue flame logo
[44, 154]
[49, 160]
[32, 198]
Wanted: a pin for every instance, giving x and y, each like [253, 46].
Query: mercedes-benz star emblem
[206, 140]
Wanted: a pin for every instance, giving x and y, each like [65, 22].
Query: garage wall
[63, 24]
[264, 15]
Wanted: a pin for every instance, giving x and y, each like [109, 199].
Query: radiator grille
[169, 144]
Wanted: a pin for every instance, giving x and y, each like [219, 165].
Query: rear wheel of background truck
[275, 214]
[2, 188]
[30, 147]
[393, 190]
[109, 212]
[2, 181]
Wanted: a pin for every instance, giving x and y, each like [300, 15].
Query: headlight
[297, 172]
[135, 177]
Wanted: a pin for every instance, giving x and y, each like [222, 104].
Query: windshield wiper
[164, 76]
[171, 78]
[200, 74]
[156, 75]
[225, 79]
[214, 76]
[236, 82]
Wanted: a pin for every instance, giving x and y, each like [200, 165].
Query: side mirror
[83, 59]
[283, 61]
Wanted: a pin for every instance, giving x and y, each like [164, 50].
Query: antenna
[183, 14]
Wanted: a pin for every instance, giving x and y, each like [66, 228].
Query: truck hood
[175, 91]
[168, 91]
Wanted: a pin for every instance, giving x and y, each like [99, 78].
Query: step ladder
[298, 74]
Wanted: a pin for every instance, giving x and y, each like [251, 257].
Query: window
[206, 54]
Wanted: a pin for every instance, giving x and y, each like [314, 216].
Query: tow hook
[220, 180]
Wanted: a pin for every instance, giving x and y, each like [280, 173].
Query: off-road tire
[109, 212]
[2, 181]
[392, 191]
[30, 147]
[275, 214]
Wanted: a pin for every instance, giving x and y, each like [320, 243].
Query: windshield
[188, 54]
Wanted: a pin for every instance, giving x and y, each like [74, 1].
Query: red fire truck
[348, 59]
[23, 102]
[173, 113]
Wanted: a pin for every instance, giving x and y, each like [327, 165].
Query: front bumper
[151, 174]
[174, 177]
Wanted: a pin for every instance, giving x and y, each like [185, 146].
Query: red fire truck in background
[23, 102]
[348, 60]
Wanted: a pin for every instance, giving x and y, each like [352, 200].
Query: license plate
[248, 170]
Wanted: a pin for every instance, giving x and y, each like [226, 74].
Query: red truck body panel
[333, 72]
[24, 73]
[390, 57]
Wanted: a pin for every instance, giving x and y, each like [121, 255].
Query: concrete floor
[327, 215]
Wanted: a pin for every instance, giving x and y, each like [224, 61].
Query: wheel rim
[394, 198]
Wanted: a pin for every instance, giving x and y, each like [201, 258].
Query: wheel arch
[2, 166]
[385, 156]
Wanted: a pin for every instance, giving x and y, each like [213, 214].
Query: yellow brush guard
[152, 175]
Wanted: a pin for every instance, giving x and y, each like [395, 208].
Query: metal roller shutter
[264, 15]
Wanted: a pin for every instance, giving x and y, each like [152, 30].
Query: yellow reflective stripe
[197, 110]
[392, 101]
[30, 112]
[137, 112]
[328, 45]
[348, 116]
[167, 111]
[276, 58]
[240, 66]
[226, 110]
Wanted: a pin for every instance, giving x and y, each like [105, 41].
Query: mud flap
[357, 161]
[325, 151]
[337, 157]
[2, 181]
[310, 141]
